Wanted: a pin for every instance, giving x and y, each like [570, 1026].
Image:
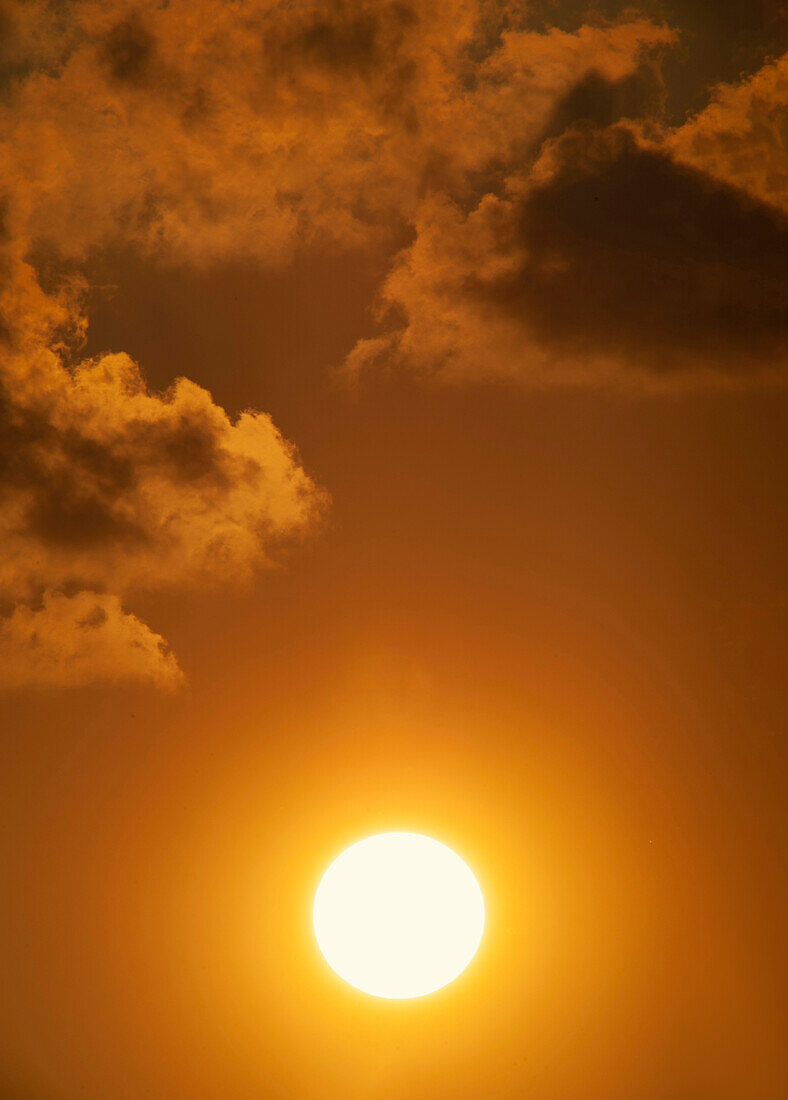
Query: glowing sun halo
[398, 915]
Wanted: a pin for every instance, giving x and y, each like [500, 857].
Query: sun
[398, 915]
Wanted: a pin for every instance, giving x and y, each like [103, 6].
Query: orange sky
[513, 282]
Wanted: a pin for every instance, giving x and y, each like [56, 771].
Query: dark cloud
[72, 485]
[128, 50]
[78, 488]
[719, 41]
[631, 253]
[103, 480]
[606, 260]
[95, 618]
[550, 241]
[106, 487]
[602, 102]
[352, 42]
[337, 35]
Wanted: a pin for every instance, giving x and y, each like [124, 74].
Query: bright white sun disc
[398, 915]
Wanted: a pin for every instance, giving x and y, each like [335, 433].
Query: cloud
[742, 136]
[200, 131]
[108, 483]
[105, 483]
[562, 233]
[82, 639]
[608, 262]
[107, 488]
[614, 252]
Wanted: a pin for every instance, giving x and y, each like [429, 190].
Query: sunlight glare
[398, 915]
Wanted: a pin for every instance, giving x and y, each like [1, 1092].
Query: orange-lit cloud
[108, 487]
[605, 261]
[562, 232]
[73, 640]
[613, 250]
[202, 131]
[741, 136]
[108, 483]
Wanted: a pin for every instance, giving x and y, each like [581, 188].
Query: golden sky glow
[392, 441]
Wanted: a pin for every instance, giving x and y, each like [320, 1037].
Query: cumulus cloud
[201, 131]
[107, 487]
[608, 262]
[562, 232]
[742, 136]
[616, 252]
[107, 483]
[82, 639]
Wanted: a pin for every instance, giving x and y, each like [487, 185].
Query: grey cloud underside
[610, 249]
[629, 252]
[77, 486]
[128, 50]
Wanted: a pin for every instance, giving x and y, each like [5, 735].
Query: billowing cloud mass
[71, 641]
[742, 136]
[618, 252]
[608, 262]
[562, 231]
[201, 131]
[108, 488]
[108, 483]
